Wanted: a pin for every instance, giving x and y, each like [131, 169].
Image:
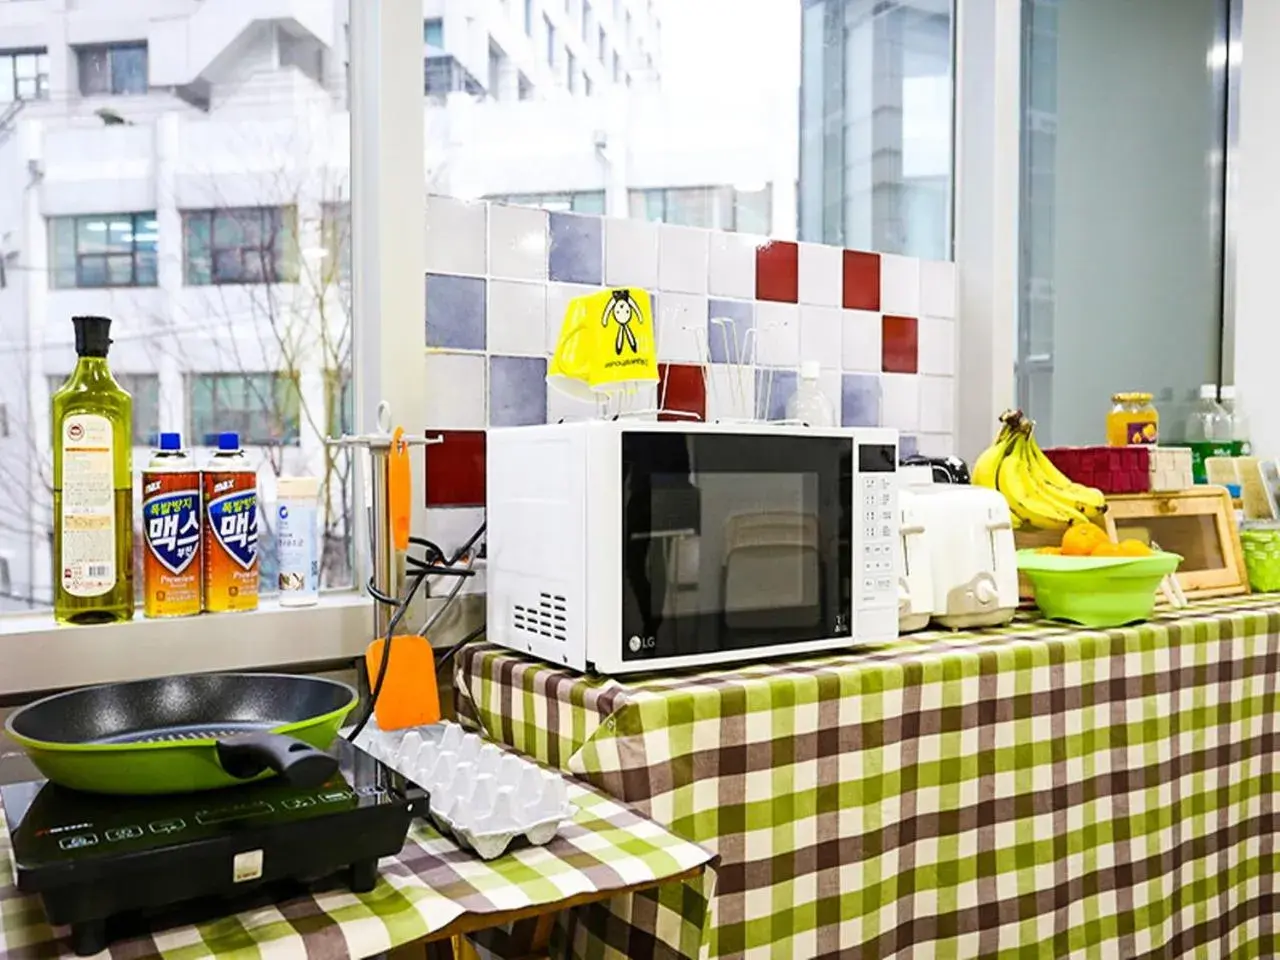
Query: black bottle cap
[93, 336]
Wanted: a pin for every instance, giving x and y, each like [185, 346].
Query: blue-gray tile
[908, 446]
[576, 251]
[860, 400]
[773, 389]
[455, 312]
[728, 342]
[517, 391]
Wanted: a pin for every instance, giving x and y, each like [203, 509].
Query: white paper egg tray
[483, 796]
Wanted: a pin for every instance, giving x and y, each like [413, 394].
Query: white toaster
[915, 567]
[968, 536]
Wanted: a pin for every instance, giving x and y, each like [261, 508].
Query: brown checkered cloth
[1032, 791]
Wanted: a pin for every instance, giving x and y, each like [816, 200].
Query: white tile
[517, 242]
[937, 405]
[899, 285]
[456, 391]
[561, 406]
[937, 346]
[936, 444]
[831, 383]
[682, 328]
[451, 527]
[731, 392]
[631, 253]
[821, 274]
[900, 401]
[777, 334]
[558, 297]
[938, 288]
[820, 335]
[517, 318]
[861, 341]
[456, 236]
[731, 265]
[682, 259]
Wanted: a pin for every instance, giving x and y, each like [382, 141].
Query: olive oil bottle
[92, 419]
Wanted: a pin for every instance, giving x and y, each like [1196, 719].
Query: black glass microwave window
[733, 541]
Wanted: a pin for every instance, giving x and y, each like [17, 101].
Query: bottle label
[172, 522]
[88, 506]
[299, 571]
[1141, 432]
[234, 520]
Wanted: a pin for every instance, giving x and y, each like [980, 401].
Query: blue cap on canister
[1234, 490]
[170, 441]
[228, 441]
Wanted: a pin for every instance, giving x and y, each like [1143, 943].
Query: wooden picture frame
[1198, 523]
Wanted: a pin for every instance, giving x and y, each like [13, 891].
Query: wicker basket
[1261, 543]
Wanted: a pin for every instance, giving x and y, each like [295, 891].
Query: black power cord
[421, 570]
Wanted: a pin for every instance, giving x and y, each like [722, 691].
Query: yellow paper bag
[606, 343]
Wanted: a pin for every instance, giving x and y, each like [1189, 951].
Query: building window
[24, 75]
[145, 390]
[335, 234]
[601, 45]
[107, 250]
[571, 71]
[433, 32]
[528, 18]
[239, 245]
[586, 201]
[551, 40]
[716, 208]
[117, 68]
[264, 408]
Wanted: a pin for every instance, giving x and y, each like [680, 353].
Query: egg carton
[485, 797]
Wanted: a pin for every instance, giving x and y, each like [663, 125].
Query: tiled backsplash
[499, 277]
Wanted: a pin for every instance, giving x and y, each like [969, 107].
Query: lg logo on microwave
[637, 643]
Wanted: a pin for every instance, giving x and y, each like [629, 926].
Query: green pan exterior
[183, 766]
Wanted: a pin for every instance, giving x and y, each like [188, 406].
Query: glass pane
[231, 229]
[94, 70]
[27, 89]
[6, 79]
[228, 267]
[91, 235]
[120, 270]
[129, 69]
[1095, 294]
[120, 235]
[93, 271]
[145, 268]
[62, 244]
[590, 202]
[24, 66]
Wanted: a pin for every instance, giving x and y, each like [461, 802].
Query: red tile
[899, 345]
[778, 271]
[681, 387]
[455, 469]
[861, 280]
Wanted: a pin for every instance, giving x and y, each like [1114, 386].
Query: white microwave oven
[621, 546]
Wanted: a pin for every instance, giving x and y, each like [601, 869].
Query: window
[107, 250]
[145, 390]
[239, 245]
[24, 75]
[551, 40]
[719, 208]
[589, 201]
[118, 68]
[433, 32]
[571, 70]
[528, 18]
[264, 408]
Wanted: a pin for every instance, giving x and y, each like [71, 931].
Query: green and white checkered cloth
[1036, 791]
[422, 889]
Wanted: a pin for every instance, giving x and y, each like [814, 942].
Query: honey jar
[1133, 420]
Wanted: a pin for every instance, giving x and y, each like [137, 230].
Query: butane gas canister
[230, 488]
[171, 527]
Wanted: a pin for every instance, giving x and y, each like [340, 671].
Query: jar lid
[1141, 397]
[1121, 397]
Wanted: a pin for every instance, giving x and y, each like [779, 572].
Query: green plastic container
[1096, 591]
[1261, 543]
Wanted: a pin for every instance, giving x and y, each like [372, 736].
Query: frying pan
[186, 733]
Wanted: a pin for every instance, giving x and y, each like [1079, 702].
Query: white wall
[1257, 225]
[1134, 270]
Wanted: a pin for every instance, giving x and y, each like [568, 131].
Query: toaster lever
[908, 531]
[999, 525]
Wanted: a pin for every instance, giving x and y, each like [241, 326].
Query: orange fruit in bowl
[1134, 548]
[1106, 549]
[1080, 539]
[1050, 551]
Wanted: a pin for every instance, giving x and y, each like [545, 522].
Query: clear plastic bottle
[809, 404]
[1208, 431]
[1238, 422]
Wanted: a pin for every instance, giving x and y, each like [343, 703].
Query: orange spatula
[409, 696]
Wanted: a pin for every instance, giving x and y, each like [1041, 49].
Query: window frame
[282, 409]
[283, 248]
[41, 55]
[79, 258]
[114, 84]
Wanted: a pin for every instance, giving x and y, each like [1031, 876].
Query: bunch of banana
[1038, 493]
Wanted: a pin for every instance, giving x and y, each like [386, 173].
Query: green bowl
[1096, 591]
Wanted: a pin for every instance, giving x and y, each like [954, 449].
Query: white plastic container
[809, 404]
[297, 549]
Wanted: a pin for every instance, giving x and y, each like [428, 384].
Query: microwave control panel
[875, 572]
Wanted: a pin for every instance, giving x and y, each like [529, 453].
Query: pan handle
[298, 763]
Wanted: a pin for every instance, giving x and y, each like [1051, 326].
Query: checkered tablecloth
[1034, 791]
[422, 889]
